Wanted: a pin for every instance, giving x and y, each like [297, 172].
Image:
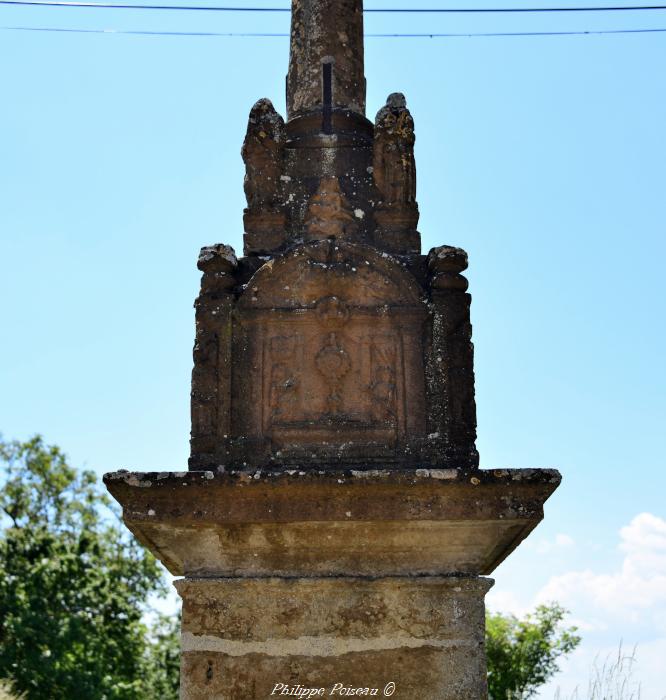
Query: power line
[451, 35]
[404, 10]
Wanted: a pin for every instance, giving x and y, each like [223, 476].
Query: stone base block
[401, 637]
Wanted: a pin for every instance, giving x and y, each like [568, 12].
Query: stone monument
[334, 528]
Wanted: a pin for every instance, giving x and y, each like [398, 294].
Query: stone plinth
[363, 578]
[243, 637]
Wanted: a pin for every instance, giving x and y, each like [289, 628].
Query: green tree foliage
[523, 654]
[162, 659]
[73, 588]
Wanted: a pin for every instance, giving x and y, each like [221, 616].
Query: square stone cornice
[335, 522]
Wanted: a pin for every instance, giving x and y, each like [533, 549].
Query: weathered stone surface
[404, 389]
[394, 168]
[311, 156]
[332, 334]
[329, 214]
[241, 638]
[263, 154]
[302, 523]
[325, 32]
[217, 258]
[446, 258]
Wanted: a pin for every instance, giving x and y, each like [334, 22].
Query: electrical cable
[435, 35]
[404, 10]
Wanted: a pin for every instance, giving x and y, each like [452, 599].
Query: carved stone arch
[358, 273]
[333, 333]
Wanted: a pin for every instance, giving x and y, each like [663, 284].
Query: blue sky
[543, 157]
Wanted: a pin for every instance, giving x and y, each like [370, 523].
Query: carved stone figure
[383, 386]
[394, 167]
[262, 153]
[329, 215]
[284, 383]
[332, 312]
[333, 363]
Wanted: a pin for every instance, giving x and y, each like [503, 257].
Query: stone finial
[329, 215]
[262, 152]
[326, 32]
[446, 258]
[394, 167]
[217, 258]
[446, 263]
[219, 265]
[396, 100]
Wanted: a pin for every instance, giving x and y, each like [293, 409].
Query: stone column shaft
[326, 31]
[257, 638]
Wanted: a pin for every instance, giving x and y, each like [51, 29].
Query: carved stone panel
[325, 383]
[333, 333]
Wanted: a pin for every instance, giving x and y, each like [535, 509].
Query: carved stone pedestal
[312, 579]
